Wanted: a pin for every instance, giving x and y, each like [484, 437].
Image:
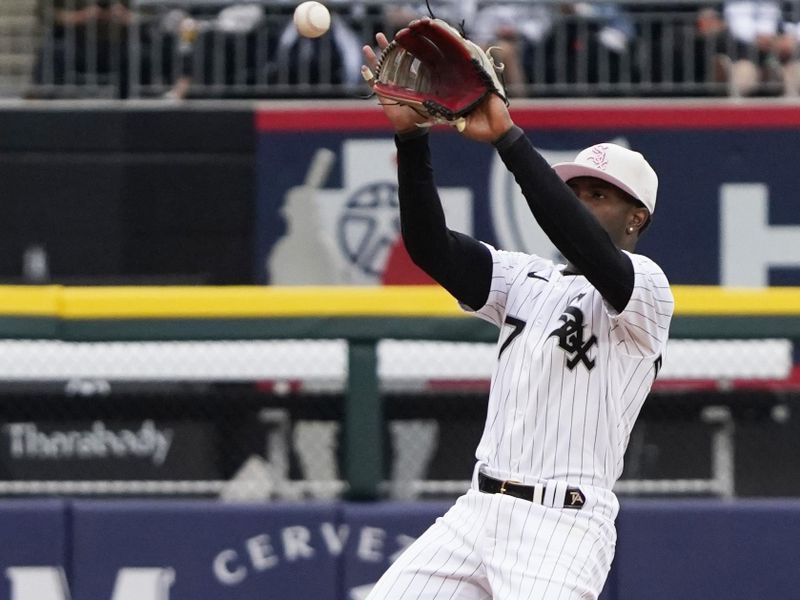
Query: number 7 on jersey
[517, 326]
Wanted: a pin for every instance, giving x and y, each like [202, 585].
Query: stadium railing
[224, 49]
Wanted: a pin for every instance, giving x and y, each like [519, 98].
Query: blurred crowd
[181, 49]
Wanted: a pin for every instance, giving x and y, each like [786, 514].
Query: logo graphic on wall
[368, 226]
[347, 235]
[28, 441]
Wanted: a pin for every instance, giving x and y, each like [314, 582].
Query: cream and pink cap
[624, 168]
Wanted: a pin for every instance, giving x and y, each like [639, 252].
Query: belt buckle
[504, 482]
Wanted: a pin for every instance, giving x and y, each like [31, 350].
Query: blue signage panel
[34, 548]
[204, 551]
[379, 533]
[695, 550]
[726, 211]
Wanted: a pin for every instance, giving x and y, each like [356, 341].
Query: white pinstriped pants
[496, 547]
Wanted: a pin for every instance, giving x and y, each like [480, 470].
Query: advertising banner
[205, 551]
[384, 531]
[726, 212]
[35, 548]
[713, 550]
[177, 550]
[108, 448]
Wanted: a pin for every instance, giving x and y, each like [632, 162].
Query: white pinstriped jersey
[572, 374]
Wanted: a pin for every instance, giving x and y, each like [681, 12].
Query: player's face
[612, 207]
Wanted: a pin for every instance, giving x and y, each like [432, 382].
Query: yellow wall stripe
[712, 300]
[245, 302]
[400, 301]
[34, 301]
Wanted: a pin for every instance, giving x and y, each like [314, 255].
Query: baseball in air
[312, 19]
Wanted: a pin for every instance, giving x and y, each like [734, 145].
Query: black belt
[573, 497]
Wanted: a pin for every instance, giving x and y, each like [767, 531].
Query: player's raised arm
[459, 263]
[592, 247]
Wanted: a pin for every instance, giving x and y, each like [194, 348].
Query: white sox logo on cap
[626, 169]
[599, 157]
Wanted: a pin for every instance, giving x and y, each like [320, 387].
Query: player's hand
[402, 118]
[488, 121]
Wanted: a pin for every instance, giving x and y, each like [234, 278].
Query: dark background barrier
[197, 432]
[128, 196]
[92, 550]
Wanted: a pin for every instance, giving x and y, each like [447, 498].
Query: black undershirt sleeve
[568, 224]
[459, 263]
[462, 265]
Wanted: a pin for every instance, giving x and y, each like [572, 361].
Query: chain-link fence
[224, 49]
[260, 419]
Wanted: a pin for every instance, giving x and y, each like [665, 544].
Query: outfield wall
[305, 192]
[156, 550]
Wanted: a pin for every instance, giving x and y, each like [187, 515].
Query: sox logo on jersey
[570, 337]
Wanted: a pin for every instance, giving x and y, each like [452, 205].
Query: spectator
[680, 53]
[397, 15]
[83, 42]
[599, 39]
[512, 28]
[182, 30]
[222, 32]
[762, 47]
[515, 30]
[614, 28]
[330, 60]
[709, 35]
[544, 42]
[537, 41]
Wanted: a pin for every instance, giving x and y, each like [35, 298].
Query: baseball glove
[431, 67]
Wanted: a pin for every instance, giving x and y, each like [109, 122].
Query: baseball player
[580, 345]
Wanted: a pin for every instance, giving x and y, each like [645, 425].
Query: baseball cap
[624, 168]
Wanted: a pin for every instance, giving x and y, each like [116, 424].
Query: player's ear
[637, 217]
[638, 220]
